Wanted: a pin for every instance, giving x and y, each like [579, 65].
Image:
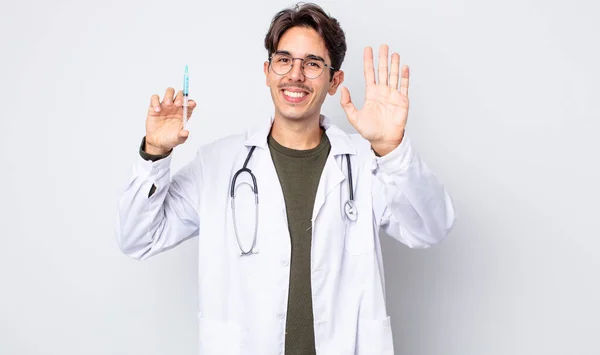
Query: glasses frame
[302, 65]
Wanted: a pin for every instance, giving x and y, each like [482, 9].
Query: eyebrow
[309, 56]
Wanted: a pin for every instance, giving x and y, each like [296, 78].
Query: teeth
[294, 94]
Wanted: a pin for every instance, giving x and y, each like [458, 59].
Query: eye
[314, 64]
[282, 60]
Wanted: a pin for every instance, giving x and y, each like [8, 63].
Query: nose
[297, 73]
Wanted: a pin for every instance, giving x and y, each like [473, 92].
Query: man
[298, 270]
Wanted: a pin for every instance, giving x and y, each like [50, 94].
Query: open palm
[383, 117]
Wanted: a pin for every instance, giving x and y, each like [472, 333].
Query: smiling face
[295, 96]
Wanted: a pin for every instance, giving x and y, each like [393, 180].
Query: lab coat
[243, 299]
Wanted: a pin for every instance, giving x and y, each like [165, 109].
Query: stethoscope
[349, 207]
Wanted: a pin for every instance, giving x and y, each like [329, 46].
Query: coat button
[281, 315]
[285, 262]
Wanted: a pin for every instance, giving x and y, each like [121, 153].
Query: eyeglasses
[312, 68]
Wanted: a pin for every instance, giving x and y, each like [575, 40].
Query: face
[295, 96]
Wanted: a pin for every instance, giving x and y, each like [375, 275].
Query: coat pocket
[217, 337]
[375, 337]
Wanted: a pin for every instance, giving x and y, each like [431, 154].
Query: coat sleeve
[408, 201]
[148, 224]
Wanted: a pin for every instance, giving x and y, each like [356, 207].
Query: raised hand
[164, 123]
[383, 117]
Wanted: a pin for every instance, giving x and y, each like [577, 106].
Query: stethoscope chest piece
[350, 210]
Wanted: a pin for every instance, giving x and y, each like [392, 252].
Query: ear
[338, 79]
[266, 70]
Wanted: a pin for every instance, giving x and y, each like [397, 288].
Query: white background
[504, 109]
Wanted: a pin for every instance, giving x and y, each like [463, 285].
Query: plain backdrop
[504, 109]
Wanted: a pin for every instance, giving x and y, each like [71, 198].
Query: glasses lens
[313, 68]
[281, 64]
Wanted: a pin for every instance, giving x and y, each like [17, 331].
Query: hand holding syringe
[166, 123]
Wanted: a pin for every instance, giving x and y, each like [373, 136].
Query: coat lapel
[332, 174]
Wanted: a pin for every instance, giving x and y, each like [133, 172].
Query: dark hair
[311, 16]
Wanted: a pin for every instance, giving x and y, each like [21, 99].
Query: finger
[383, 65]
[404, 80]
[191, 107]
[179, 98]
[168, 99]
[395, 71]
[368, 66]
[348, 106]
[155, 103]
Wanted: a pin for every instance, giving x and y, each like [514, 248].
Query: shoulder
[349, 141]
[216, 155]
[222, 146]
[231, 145]
[362, 145]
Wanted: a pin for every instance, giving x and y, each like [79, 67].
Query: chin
[295, 115]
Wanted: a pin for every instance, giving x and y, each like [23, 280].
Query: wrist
[382, 148]
[154, 150]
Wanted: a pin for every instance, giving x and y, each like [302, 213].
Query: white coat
[243, 299]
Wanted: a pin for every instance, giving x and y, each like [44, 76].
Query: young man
[295, 266]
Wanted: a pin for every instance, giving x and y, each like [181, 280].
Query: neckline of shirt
[299, 153]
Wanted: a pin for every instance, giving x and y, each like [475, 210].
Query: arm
[156, 213]
[408, 201]
[148, 224]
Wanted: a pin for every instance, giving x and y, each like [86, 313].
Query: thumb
[182, 136]
[348, 106]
